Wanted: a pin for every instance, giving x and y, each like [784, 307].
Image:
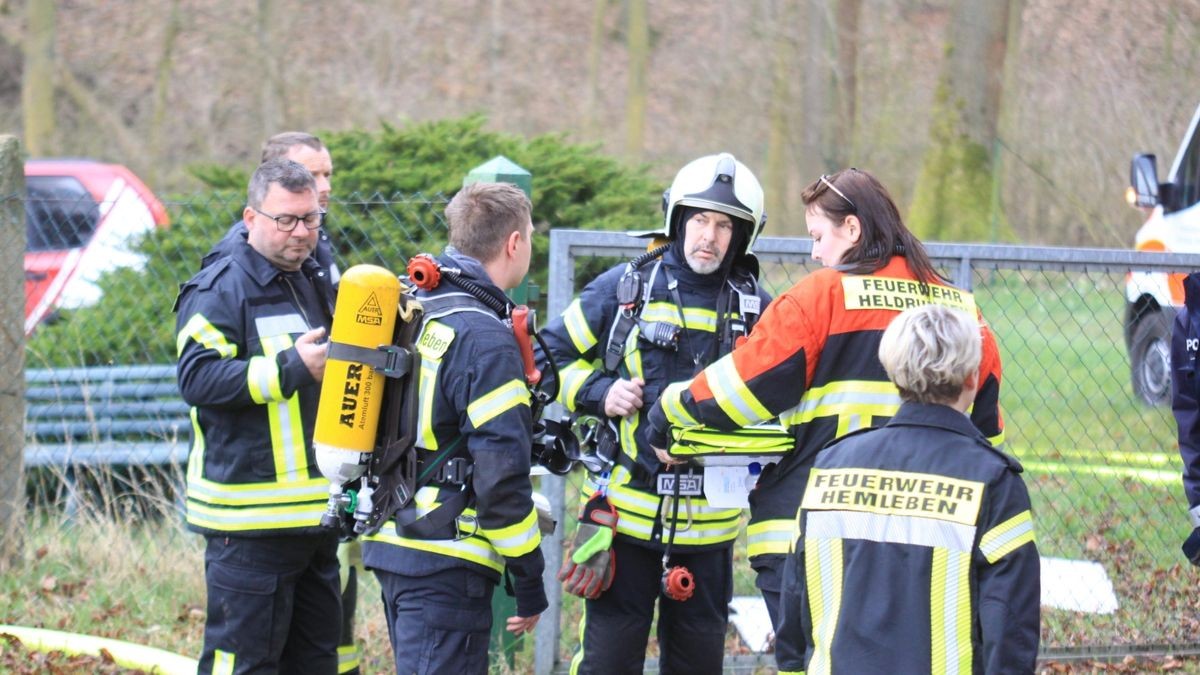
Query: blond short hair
[930, 351]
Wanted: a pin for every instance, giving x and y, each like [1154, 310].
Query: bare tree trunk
[953, 200]
[639, 57]
[495, 62]
[781, 16]
[816, 80]
[12, 361]
[846, 19]
[162, 85]
[37, 82]
[273, 94]
[591, 118]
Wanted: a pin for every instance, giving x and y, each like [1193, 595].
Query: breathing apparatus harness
[633, 294]
[394, 473]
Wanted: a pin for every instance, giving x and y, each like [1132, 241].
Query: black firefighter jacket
[918, 546]
[473, 397]
[577, 341]
[251, 469]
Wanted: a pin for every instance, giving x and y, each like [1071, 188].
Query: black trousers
[691, 633]
[440, 623]
[273, 605]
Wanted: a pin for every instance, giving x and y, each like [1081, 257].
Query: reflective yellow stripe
[426, 390]
[498, 401]
[573, 376]
[204, 333]
[1007, 537]
[997, 441]
[252, 494]
[769, 536]
[697, 319]
[732, 394]
[854, 402]
[950, 615]
[287, 425]
[223, 662]
[262, 378]
[577, 327]
[257, 517]
[516, 540]
[823, 575]
[348, 658]
[672, 405]
[473, 549]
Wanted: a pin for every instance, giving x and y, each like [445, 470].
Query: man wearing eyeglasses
[308, 150]
[249, 333]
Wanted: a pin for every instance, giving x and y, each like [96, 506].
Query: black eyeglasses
[826, 181]
[287, 222]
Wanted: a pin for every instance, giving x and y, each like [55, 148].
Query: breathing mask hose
[678, 583]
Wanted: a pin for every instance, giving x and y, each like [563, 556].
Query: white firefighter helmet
[716, 183]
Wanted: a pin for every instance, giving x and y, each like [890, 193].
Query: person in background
[812, 359]
[917, 537]
[1185, 404]
[250, 329]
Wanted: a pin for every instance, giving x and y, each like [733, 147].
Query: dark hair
[280, 144]
[482, 216]
[883, 232]
[291, 176]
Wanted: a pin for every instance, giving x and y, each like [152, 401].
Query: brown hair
[277, 146]
[883, 232]
[482, 216]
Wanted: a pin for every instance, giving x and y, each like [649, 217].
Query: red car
[81, 218]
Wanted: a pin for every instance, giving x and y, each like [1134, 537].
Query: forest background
[990, 120]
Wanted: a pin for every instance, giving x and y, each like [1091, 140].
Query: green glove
[589, 570]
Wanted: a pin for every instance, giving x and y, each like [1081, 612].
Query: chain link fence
[1101, 465]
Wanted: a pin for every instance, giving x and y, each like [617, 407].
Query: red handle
[678, 583]
[424, 272]
[522, 320]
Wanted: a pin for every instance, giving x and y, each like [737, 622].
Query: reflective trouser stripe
[823, 576]
[950, 616]
[223, 662]
[578, 658]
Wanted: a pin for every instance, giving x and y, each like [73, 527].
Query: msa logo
[370, 313]
[690, 484]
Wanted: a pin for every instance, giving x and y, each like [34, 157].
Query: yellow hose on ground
[127, 654]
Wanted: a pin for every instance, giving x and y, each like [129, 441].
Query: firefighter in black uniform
[683, 311]
[249, 332]
[917, 538]
[475, 523]
[1185, 402]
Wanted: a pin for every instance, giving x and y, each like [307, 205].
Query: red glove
[589, 570]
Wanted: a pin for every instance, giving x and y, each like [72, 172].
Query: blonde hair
[930, 351]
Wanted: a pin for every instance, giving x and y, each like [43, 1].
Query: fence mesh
[1101, 465]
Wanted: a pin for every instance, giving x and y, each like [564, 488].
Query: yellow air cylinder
[352, 391]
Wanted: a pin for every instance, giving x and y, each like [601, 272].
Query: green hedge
[390, 187]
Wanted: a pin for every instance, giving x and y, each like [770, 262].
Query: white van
[1153, 298]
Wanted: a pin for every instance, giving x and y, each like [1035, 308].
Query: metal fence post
[12, 351]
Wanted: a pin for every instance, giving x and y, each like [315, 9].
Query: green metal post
[501, 169]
